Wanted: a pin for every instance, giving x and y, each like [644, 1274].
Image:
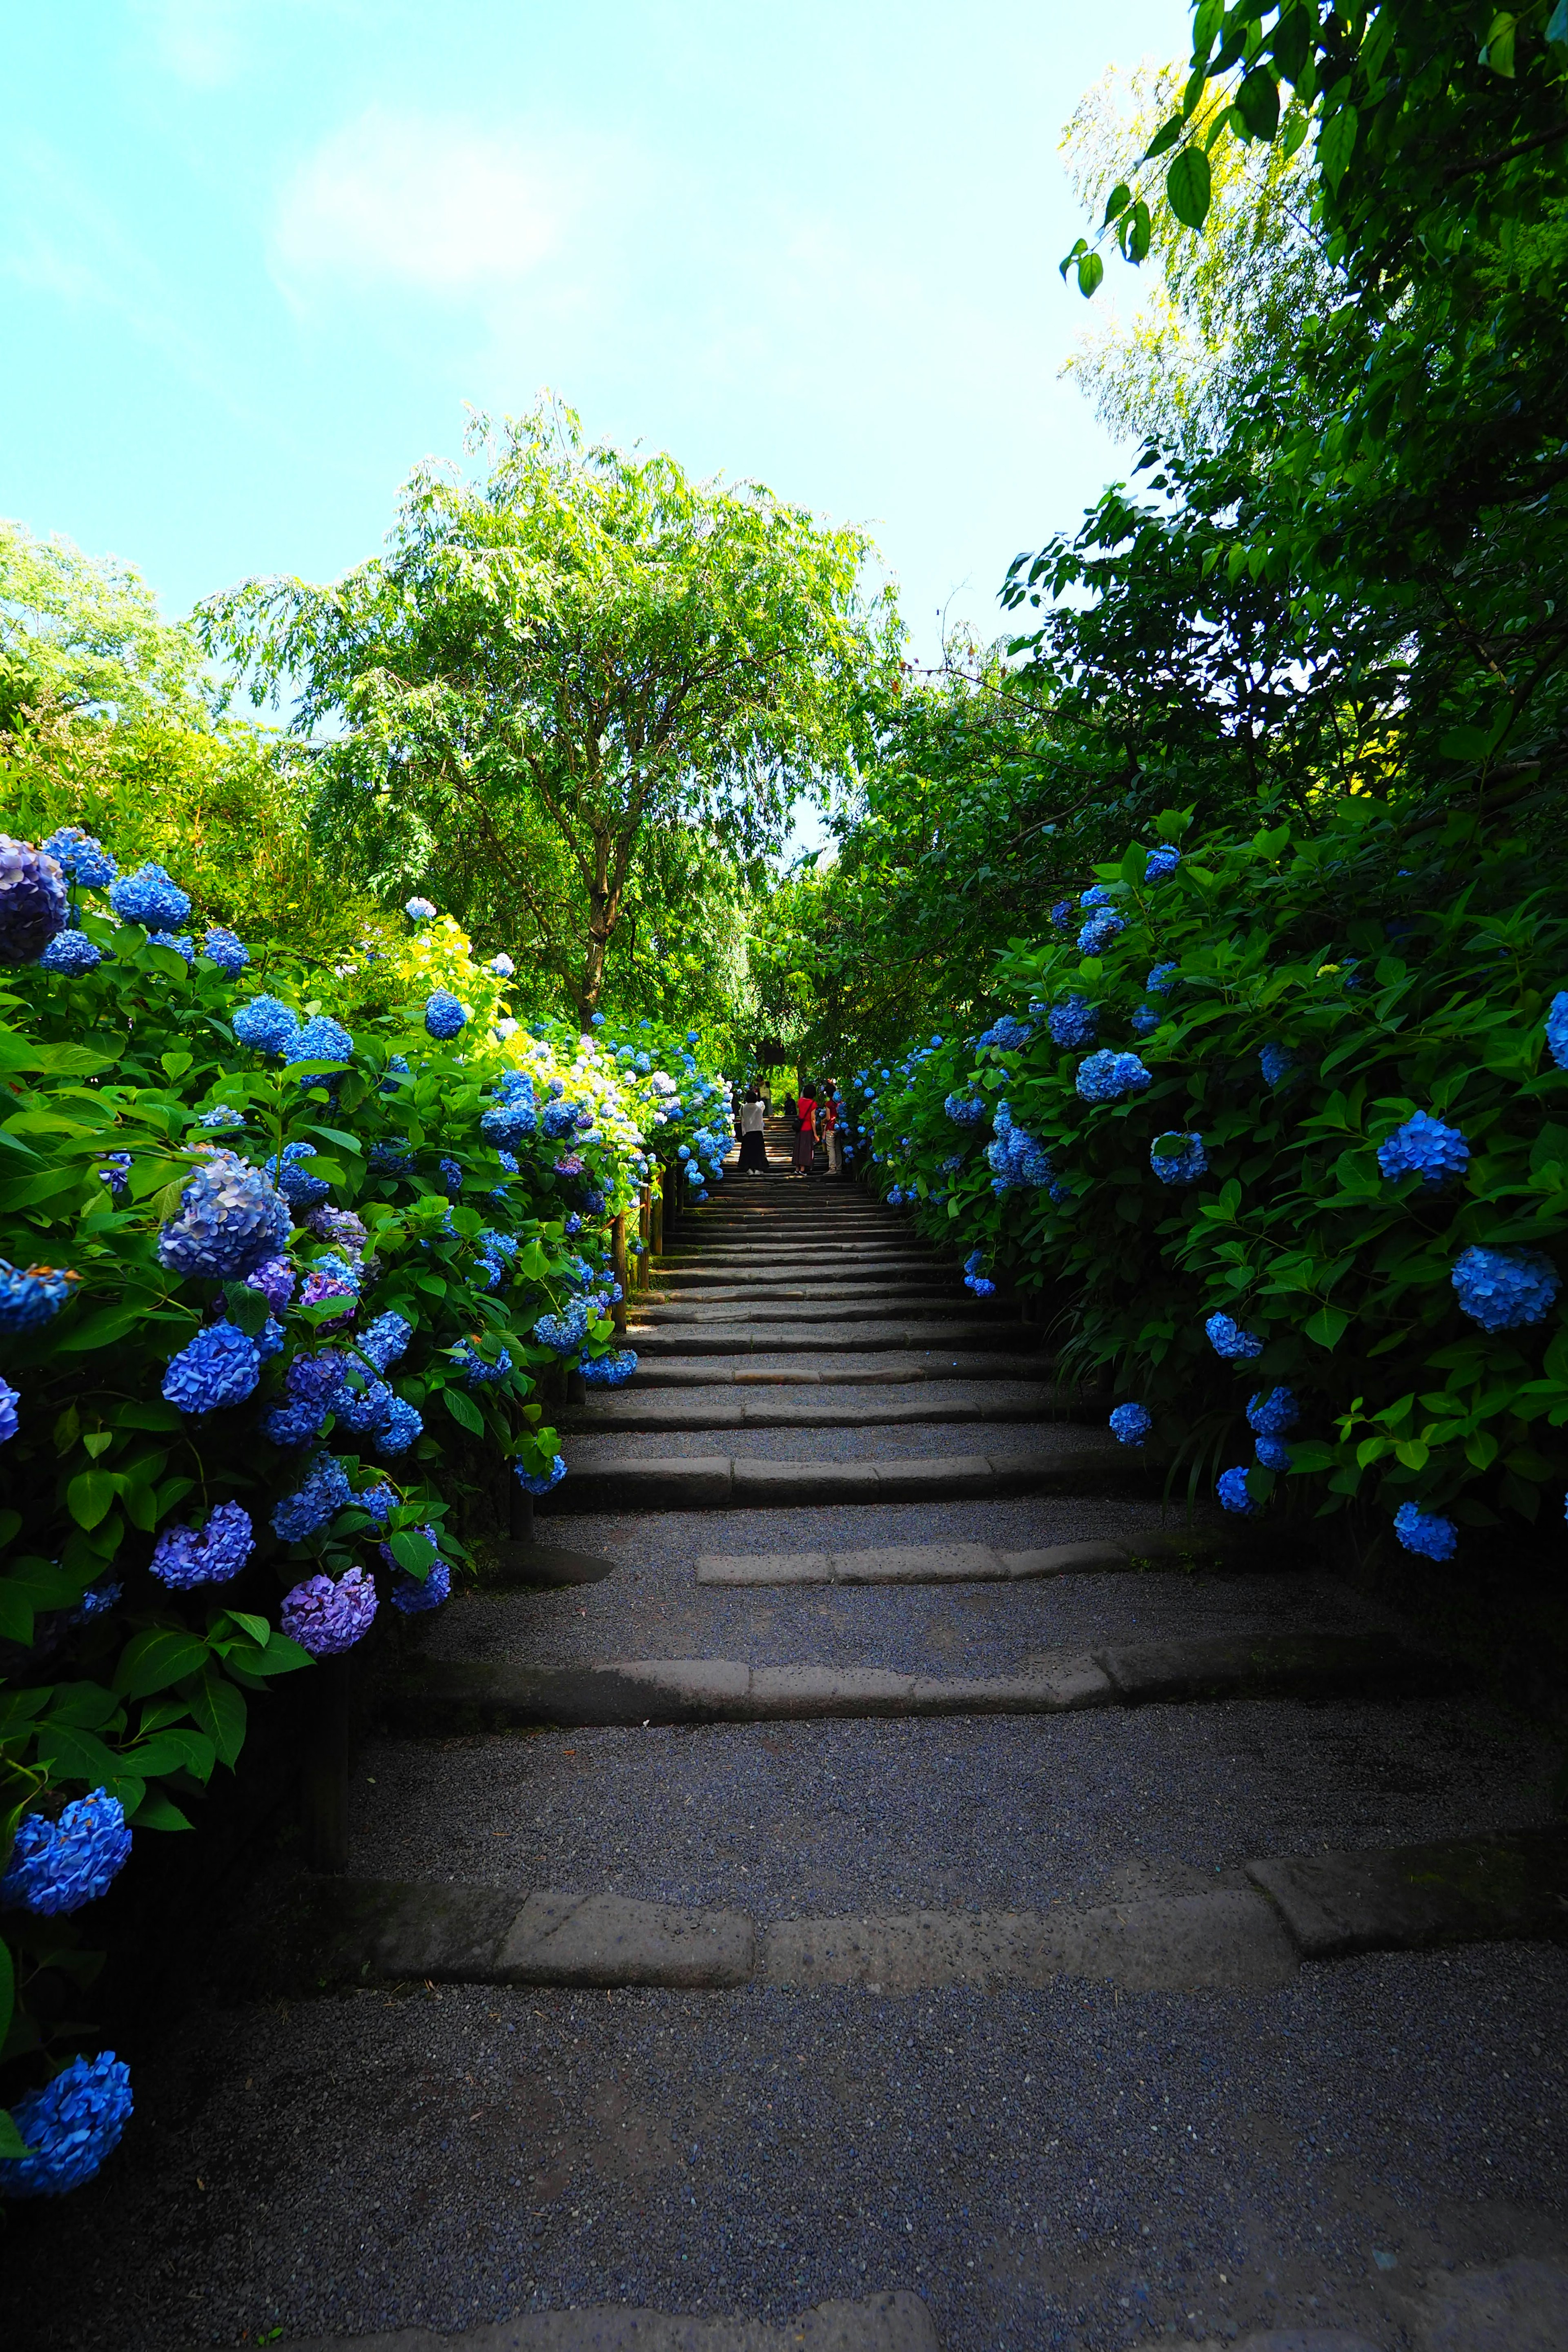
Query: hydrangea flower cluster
[321, 1039]
[540, 1482]
[56, 1868]
[223, 947]
[1234, 1493]
[611, 1370]
[298, 1187]
[1107, 1077]
[1183, 1166]
[1503, 1289]
[220, 1367]
[178, 942]
[231, 1218]
[513, 1116]
[1426, 1532]
[1229, 1339]
[1161, 980]
[1273, 1412]
[71, 953]
[184, 1557]
[33, 1295]
[477, 1371]
[419, 910]
[10, 1399]
[1160, 864]
[386, 1339]
[1017, 1160]
[1277, 1062]
[1074, 1022]
[399, 1430]
[32, 900]
[266, 1024]
[71, 2127]
[973, 1279]
[1145, 1019]
[1099, 930]
[150, 896]
[1424, 1146]
[1557, 1029]
[80, 858]
[444, 1014]
[326, 1618]
[414, 1595]
[275, 1279]
[1132, 1423]
[1007, 1034]
[322, 1493]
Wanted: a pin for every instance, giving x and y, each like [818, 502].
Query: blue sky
[255, 254]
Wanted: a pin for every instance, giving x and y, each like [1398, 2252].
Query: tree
[83, 634]
[586, 645]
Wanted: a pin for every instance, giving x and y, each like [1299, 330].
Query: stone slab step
[874, 1307]
[1225, 1939]
[707, 1371]
[1462, 1891]
[951, 1564]
[439, 1697]
[718, 1482]
[739, 1338]
[772, 1409]
[895, 1292]
[895, 2322]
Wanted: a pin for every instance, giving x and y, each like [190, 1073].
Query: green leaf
[258, 1628]
[1497, 52]
[220, 1709]
[1189, 187]
[1091, 272]
[1116, 204]
[177, 1750]
[1257, 102]
[1310, 1454]
[70, 1754]
[12, 2144]
[464, 1411]
[157, 1811]
[1327, 1326]
[105, 1327]
[151, 1661]
[1336, 143]
[413, 1551]
[1164, 138]
[91, 1496]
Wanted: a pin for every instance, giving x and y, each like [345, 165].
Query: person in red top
[804, 1130]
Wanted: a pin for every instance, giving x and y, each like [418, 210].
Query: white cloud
[431, 202]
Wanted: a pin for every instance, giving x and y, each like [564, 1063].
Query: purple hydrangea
[274, 1278]
[398, 1431]
[71, 2128]
[1234, 1493]
[1132, 1423]
[224, 949]
[266, 1024]
[340, 1225]
[32, 900]
[1424, 1146]
[185, 1557]
[231, 1219]
[326, 1618]
[1183, 1165]
[1502, 1289]
[80, 858]
[1273, 1412]
[1426, 1532]
[322, 1493]
[149, 897]
[10, 1399]
[1074, 1022]
[540, 1482]
[444, 1014]
[1229, 1339]
[32, 1296]
[1106, 1076]
[220, 1367]
[56, 1868]
[71, 953]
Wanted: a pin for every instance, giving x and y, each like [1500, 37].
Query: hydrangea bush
[287, 1270]
[1333, 1176]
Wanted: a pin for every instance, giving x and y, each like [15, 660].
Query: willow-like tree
[586, 643]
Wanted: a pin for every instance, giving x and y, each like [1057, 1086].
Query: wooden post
[645, 1231]
[618, 1267]
[325, 1778]
[656, 1222]
[520, 1525]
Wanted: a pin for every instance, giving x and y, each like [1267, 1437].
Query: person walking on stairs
[804, 1131]
[753, 1157]
[832, 1140]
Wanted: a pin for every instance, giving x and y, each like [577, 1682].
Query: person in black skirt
[753, 1160]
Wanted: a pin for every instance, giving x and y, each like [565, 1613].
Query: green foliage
[1403, 969]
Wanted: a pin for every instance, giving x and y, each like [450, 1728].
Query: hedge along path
[846, 1596]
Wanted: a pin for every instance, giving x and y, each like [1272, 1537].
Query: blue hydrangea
[398, 1431]
[1007, 1034]
[513, 1116]
[1099, 930]
[231, 1218]
[540, 1482]
[477, 1371]
[1557, 1029]
[364, 1403]
[321, 1494]
[33, 1295]
[1273, 1412]
[1229, 1339]
[1059, 915]
[321, 1040]
[414, 1595]
[558, 1118]
[177, 943]
[564, 1332]
[1163, 978]
[266, 1024]
[1234, 1492]
[1015, 1159]
[611, 1370]
[269, 1340]
[149, 897]
[328, 1618]
[502, 966]
[98, 1600]
[1183, 1166]
[386, 1339]
[1160, 864]
[10, 1399]
[298, 1187]
[71, 953]
[71, 2127]
[1502, 1289]
[396, 1070]
[34, 905]
[220, 1367]
[444, 1014]
[1132, 1423]
[377, 1502]
[1276, 1061]
[1424, 1146]
[1272, 1454]
[419, 910]
[1146, 1019]
[80, 858]
[224, 949]
[1107, 1077]
[1426, 1532]
[274, 1278]
[1098, 894]
[184, 1557]
[56, 1868]
[1074, 1022]
[221, 1114]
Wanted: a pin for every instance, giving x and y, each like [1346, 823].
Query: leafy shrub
[1349, 1159]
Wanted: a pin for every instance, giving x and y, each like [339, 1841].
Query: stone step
[949, 1563]
[771, 1409]
[716, 1482]
[812, 1307]
[1411, 1898]
[865, 1281]
[441, 1697]
[896, 2321]
[710, 1372]
[745, 1339]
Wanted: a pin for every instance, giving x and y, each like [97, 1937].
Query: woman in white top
[753, 1150]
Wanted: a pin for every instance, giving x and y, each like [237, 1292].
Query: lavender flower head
[33, 901]
[326, 1618]
[230, 1219]
[184, 1556]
